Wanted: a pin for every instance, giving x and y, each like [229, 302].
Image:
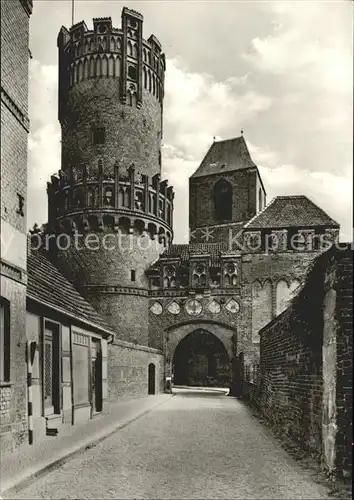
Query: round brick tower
[108, 196]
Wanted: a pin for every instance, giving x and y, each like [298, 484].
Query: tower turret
[108, 201]
[111, 88]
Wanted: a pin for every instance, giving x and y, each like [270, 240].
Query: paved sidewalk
[18, 469]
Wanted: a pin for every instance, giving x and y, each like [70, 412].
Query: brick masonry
[132, 134]
[13, 393]
[14, 130]
[128, 371]
[305, 378]
[201, 195]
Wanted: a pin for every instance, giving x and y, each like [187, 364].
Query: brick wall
[14, 130]
[14, 109]
[201, 196]
[291, 381]
[344, 373]
[305, 379]
[132, 134]
[13, 423]
[128, 370]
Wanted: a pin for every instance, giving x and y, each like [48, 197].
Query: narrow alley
[199, 444]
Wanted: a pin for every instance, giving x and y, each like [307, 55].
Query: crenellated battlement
[108, 52]
[124, 191]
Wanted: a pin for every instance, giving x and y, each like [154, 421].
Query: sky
[281, 71]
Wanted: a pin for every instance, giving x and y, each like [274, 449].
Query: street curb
[206, 389]
[90, 443]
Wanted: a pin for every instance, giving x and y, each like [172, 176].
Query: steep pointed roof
[225, 156]
[290, 211]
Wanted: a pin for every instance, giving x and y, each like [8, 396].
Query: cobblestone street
[196, 445]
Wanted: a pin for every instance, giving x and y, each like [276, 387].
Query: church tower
[224, 192]
[107, 202]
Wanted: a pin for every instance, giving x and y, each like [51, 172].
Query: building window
[215, 276]
[170, 276]
[132, 72]
[108, 197]
[199, 276]
[21, 205]
[4, 340]
[99, 136]
[132, 275]
[230, 274]
[183, 276]
[223, 200]
[259, 199]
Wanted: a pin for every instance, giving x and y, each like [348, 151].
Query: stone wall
[305, 378]
[128, 370]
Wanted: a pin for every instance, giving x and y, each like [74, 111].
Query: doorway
[201, 360]
[151, 379]
[51, 368]
[96, 375]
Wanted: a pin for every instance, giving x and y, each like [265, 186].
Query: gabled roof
[290, 211]
[48, 286]
[185, 252]
[225, 156]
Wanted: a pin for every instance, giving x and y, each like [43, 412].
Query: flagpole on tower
[72, 12]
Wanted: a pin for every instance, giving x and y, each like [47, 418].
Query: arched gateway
[200, 359]
[200, 353]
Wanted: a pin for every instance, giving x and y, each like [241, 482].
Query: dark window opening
[132, 72]
[183, 276]
[99, 136]
[21, 205]
[215, 276]
[4, 340]
[223, 200]
[132, 275]
[260, 206]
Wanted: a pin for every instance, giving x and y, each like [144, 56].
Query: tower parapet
[88, 202]
[111, 89]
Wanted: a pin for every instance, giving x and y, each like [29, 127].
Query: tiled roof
[47, 285]
[185, 252]
[225, 156]
[290, 211]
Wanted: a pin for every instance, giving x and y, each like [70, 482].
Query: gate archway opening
[201, 360]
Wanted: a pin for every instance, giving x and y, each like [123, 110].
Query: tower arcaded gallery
[111, 88]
